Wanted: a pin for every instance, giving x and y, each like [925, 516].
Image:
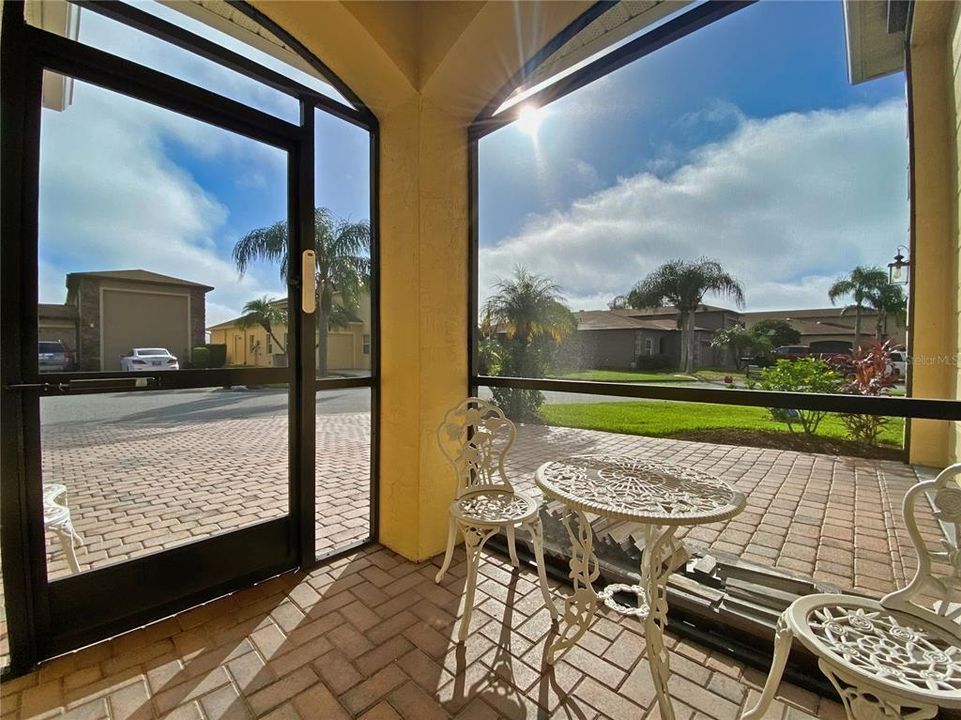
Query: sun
[529, 119]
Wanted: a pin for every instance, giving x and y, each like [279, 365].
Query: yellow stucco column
[425, 70]
[934, 224]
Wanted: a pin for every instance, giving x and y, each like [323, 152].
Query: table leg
[581, 605]
[659, 550]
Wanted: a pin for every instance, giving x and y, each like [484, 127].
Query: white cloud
[111, 198]
[786, 204]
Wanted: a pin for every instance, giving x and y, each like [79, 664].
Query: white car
[899, 363]
[148, 359]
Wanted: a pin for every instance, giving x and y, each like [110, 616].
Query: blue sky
[126, 185]
[743, 142]
[705, 147]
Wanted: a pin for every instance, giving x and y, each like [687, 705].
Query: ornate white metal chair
[56, 519]
[475, 437]
[897, 658]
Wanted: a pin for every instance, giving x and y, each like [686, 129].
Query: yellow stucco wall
[252, 347]
[425, 70]
[936, 326]
[954, 90]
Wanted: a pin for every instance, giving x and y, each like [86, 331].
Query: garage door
[134, 319]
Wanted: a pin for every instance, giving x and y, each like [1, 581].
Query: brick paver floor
[836, 519]
[136, 490]
[369, 636]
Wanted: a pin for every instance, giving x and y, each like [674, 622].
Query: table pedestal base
[661, 551]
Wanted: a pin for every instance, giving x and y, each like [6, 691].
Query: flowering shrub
[808, 375]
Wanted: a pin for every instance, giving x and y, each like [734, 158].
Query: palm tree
[343, 267]
[267, 314]
[888, 301]
[527, 307]
[530, 311]
[861, 284]
[683, 284]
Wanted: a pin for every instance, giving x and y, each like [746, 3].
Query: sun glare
[529, 119]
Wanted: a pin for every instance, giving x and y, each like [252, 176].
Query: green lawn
[667, 419]
[627, 376]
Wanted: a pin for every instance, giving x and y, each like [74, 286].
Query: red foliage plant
[868, 372]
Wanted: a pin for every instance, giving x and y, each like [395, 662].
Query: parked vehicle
[791, 352]
[899, 363]
[149, 359]
[52, 356]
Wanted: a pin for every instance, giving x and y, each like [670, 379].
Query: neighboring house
[111, 311]
[827, 330]
[617, 338]
[58, 322]
[348, 348]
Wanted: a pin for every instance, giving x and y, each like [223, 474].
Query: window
[729, 181]
[366, 349]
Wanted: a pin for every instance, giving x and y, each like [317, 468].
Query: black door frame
[45, 619]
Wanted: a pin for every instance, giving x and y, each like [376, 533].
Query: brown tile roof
[670, 310]
[617, 320]
[138, 276]
[66, 312]
[818, 313]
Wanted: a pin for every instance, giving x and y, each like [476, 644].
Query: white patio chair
[56, 519]
[897, 658]
[475, 437]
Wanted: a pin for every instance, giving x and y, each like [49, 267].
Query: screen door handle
[308, 268]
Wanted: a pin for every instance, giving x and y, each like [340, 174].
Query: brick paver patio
[836, 519]
[369, 636]
[138, 490]
[135, 490]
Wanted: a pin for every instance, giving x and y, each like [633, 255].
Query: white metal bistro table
[657, 495]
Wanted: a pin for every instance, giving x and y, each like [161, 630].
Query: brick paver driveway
[144, 474]
[143, 480]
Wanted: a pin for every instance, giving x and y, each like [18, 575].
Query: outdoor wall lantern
[898, 270]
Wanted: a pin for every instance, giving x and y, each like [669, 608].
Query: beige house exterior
[829, 330]
[108, 312]
[348, 348]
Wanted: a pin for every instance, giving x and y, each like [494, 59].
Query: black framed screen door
[155, 469]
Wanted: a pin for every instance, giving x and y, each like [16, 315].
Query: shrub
[218, 355]
[655, 362]
[489, 357]
[869, 372]
[200, 357]
[808, 375]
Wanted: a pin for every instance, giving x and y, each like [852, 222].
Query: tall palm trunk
[689, 367]
[857, 326]
[684, 344]
[277, 342]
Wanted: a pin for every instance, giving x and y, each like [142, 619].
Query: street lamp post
[898, 270]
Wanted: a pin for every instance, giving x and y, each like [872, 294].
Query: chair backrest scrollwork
[943, 587]
[475, 437]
